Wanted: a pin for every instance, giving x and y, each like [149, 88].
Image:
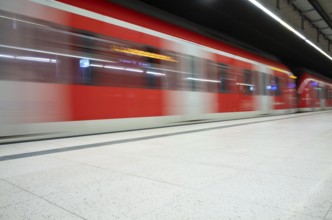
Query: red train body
[83, 67]
[314, 92]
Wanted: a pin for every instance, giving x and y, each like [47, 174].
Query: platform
[277, 167]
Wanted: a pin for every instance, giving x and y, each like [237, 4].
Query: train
[71, 68]
[314, 91]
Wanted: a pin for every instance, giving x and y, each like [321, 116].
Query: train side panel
[99, 73]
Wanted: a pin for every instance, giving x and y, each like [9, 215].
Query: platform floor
[266, 168]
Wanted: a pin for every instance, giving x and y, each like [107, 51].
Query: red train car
[83, 67]
[314, 92]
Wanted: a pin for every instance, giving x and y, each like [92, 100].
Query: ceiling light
[275, 17]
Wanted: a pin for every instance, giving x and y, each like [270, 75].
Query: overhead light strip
[283, 23]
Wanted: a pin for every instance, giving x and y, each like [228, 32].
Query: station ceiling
[241, 23]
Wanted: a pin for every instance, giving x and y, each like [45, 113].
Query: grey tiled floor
[280, 169]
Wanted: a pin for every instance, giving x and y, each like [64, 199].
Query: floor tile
[35, 209]
[288, 193]
[22, 166]
[56, 180]
[190, 175]
[124, 199]
[10, 194]
[211, 206]
[296, 168]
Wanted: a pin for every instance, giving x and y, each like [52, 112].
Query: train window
[318, 92]
[130, 65]
[57, 54]
[247, 85]
[192, 79]
[255, 83]
[119, 76]
[324, 93]
[27, 66]
[153, 78]
[172, 77]
[141, 66]
[275, 86]
[260, 82]
[225, 78]
[212, 84]
[264, 85]
[277, 91]
[330, 93]
[192, 68]
[171, 80]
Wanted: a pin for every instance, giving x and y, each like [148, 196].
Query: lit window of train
[225, 78]
[52, 53]
[247, 86]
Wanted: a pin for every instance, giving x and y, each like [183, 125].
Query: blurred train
[83, 67]
[314, 91]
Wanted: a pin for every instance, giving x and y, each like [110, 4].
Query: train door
[185, 92]
[264, 100]
[195, 100]
[323, 98]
